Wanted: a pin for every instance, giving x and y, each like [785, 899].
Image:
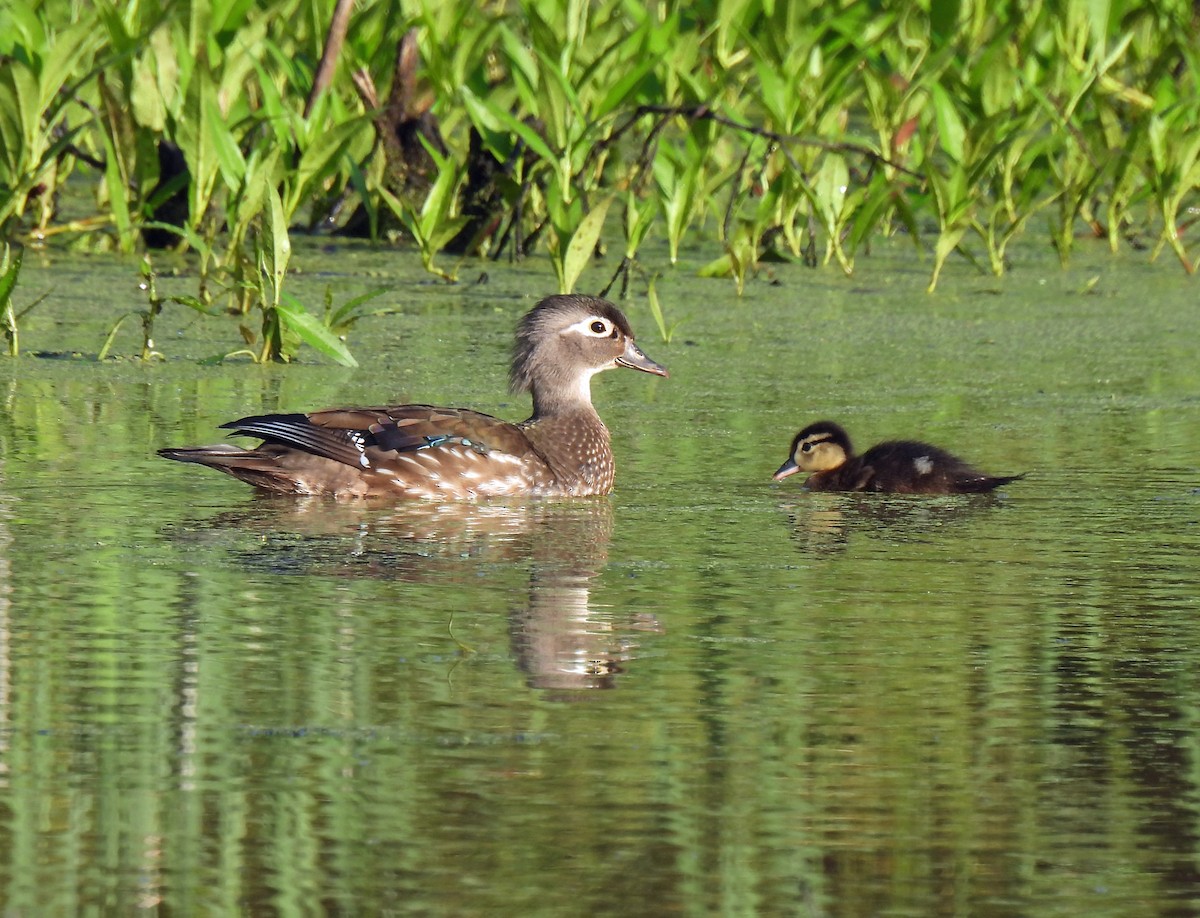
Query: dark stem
[329, 56]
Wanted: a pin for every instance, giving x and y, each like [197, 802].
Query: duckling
[897, 466]
[421, 451]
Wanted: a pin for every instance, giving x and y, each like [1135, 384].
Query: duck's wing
[369, 437]
[348, 434]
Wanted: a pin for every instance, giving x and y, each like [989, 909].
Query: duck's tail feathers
[246, 465]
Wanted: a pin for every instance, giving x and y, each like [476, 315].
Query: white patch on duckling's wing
[923, 465]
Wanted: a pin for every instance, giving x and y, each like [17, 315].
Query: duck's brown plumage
[423, 451]
[897, 466]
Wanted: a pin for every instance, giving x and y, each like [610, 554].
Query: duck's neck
[572, 400]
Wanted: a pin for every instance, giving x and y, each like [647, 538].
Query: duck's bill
[636, 360]
[788, 468]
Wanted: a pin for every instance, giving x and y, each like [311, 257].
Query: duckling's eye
[806, 447]
[599, 327]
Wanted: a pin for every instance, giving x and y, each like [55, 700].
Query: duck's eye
[806, 447]
[599, 327]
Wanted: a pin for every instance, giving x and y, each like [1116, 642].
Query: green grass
[794, 130]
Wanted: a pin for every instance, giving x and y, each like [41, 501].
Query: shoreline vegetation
[794, 131]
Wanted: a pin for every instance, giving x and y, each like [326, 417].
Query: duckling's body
[422, 451]
[896, 467]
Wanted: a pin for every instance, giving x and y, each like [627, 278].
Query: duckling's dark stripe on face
[804, 444]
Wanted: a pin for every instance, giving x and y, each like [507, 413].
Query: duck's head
[818, 447]
[566, 340]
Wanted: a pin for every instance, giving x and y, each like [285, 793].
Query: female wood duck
[420, 451]
[897, 467]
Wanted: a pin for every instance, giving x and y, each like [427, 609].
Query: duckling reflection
[825, 524]
[558, 638]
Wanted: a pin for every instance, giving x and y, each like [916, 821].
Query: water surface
[709, 693]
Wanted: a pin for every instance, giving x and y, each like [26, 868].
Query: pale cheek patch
[923, 465]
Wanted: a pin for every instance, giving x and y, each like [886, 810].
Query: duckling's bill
[788, 468]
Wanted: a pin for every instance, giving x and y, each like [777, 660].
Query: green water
[707, 694]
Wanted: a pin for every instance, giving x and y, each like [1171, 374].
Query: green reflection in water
[709, 693]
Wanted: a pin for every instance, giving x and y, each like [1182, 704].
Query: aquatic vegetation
[10, 270]
[800, 131]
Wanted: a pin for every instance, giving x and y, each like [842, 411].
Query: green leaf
[947, 242]
[950, 126]
[1157, 134]
[225, 149]
[312, 331]
[145, 98]
[112, 334]
[28, 109]
[342, 313]
[439, 202]
[11, 268]
[247, 203]
[518, 56]
[195, 135]
[319, 160]
[446, 231]
[583, 245]
[197, 304]
[718, 267]
[868, 215]
[999, 89]
[637, 224]
[830, 186]
[568, 99]
[503, 118]
[115, 183]
[64, 61]
[943, 19]
[192, 238]
[656, 310]
[276, 249]
[625, 86]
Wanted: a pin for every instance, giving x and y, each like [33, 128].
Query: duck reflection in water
[558, 638]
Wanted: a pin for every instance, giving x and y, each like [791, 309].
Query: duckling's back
[910, 467]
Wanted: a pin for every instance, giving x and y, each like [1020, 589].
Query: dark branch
[704, 113]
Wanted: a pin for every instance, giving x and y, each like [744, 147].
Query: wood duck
[421, 451]
[896, 467]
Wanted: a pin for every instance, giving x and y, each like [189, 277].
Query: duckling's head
[564, 341]
[819, 447]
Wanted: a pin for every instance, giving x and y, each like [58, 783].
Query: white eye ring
[593, 327]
